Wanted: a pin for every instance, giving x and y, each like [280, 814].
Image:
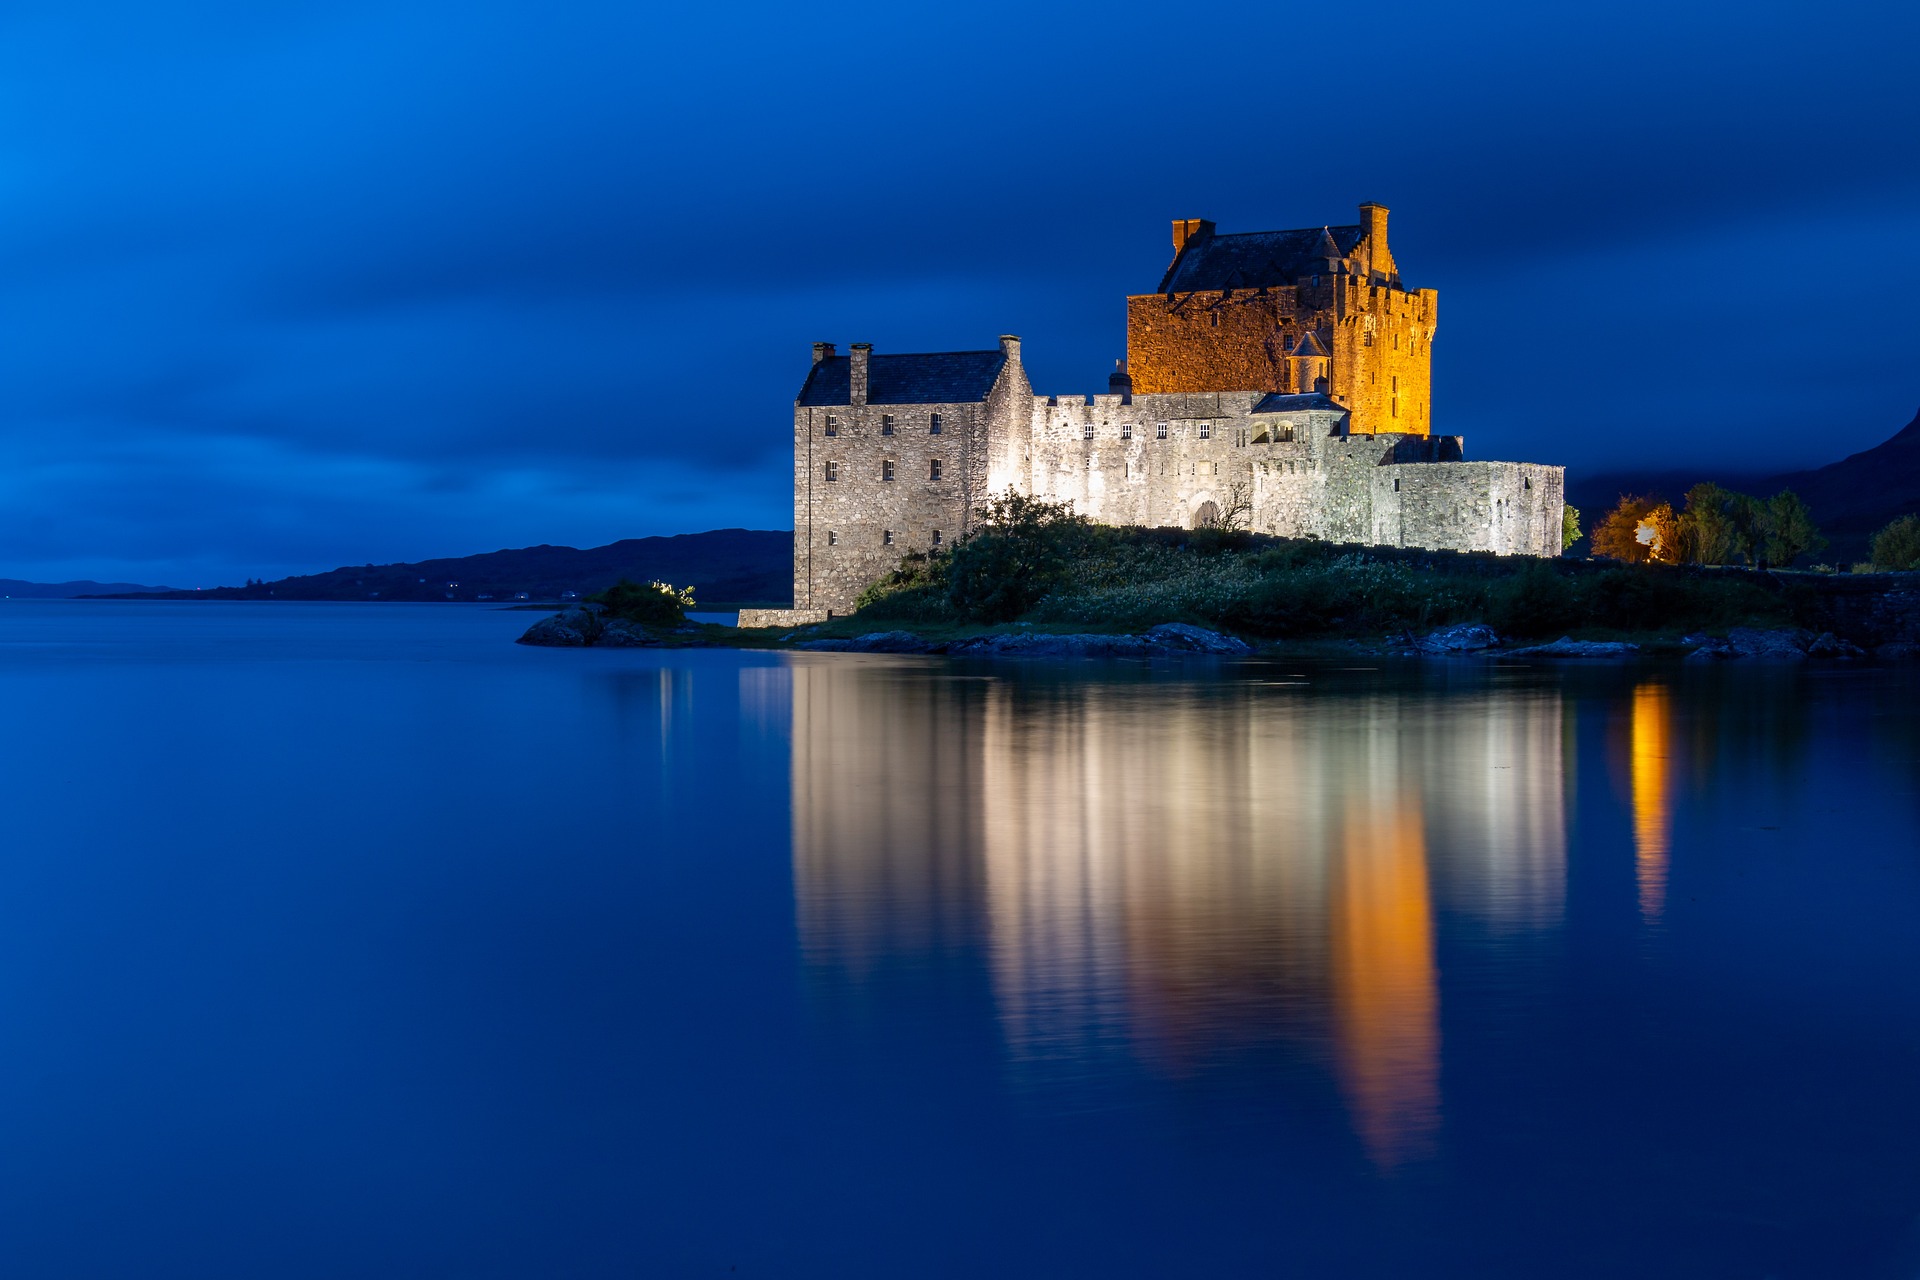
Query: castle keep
[1277, 380]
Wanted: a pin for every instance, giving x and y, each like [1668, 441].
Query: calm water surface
[356, 940]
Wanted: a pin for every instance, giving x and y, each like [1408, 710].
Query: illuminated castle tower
[1277, 310]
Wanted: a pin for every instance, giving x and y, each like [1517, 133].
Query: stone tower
[1278, 310]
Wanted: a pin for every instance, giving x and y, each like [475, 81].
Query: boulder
[874, 642]
[1181, 637]
[574, 628]
[1467, 637]
[1784, 646]
[1567, 647]
[621, 634]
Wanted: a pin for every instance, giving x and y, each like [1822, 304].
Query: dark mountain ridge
[723, 566]
[1851, 499]
[19, 589]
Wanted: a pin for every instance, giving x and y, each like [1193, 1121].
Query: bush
[1896, 548]
[915, 592]
[1534, 602]
[653, 605]
[1021, 550]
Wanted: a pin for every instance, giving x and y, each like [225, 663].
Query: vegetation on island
[652, 604]
[1036, 562]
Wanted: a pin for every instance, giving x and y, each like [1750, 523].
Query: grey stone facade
[866, 491]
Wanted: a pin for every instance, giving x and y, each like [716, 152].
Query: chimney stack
[1010, 347]
[1373, 230]
[857, 380]
[822, 351]
[1185, 229]
[1120, 382]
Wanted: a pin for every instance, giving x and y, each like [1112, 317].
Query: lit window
[833, 471]
[886, 537]
[1086, 432]
[833, 425]
[833, 539]
[933, 425]
[1126, 431]
[886, 470]
[1160, 431]
[1366, 339]
[886, 424]
[933, 469]
[1206, 431]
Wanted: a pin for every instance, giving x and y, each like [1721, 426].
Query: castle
[1277, 381]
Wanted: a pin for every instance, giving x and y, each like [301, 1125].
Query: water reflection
[1651, 733]
[1178, 872]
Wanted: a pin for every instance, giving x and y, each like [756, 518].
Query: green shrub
[654, 604]
[915, 592]
[1534, 602]
[1896, 548]
[1022, 549]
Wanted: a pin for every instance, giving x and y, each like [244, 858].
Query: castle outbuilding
[1277, 381]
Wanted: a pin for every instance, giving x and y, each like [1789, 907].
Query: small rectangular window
[933, 469]
[933, 425]
[833, 539]
[936, 537]
[1160, 431]
[833, 471]
[1206, 431]
[1214, 318]
[886, 537]
[833, 425]
[1126, 431]
[1086, 432]
[886, 424]
[886, 470]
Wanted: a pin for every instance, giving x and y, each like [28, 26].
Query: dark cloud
[293, 285]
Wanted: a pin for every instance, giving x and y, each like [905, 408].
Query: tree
[1638, 530]
[1236, 513]
[1709, 532]
[1020, 550]
[1569, 525]
[1787, 529]
[655, 604]
[1896, 548]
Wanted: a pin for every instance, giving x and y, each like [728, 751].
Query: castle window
[933, 425]
[1086, 432]
[886, 469]
[1214, 318]
[886, 537]
[833, 539]
[1160, 431]
[833, 471]
[833, 425]
[933, 469]
[1206, 431]
[1126, 431]
[1526, 482]
[1366, 339]
[886, 424]
[936, 537]
[1396, 484]
[1285, 433]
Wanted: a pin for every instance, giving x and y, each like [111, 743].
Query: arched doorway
[1206, 515]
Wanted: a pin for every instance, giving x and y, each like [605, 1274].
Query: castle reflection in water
[1177, 870]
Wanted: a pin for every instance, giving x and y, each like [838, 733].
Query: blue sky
[291, 286]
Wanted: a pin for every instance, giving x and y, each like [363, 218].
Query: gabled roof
[1310, 345]
[1304, 402]
[1254, 259]
[934, 377]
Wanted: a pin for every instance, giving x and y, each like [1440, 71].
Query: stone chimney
[1373, 232]
[1185, 229]
[822, 351]
[1010, 347]
[857, 380]
[1120, 382]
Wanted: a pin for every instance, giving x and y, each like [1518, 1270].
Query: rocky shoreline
[583, 627]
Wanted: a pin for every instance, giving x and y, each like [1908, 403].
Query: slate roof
[1310, 345]
[933, 377]
[1254, 259]
[1305, 402]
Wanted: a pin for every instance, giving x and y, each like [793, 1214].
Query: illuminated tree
[1639, 530]
[1569, 525]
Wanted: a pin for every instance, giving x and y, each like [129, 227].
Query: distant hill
[15, 589]
[1851, 499]
[724, 567]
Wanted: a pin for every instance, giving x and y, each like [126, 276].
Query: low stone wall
[780, 617]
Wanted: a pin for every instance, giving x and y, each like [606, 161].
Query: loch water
[358, 940]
